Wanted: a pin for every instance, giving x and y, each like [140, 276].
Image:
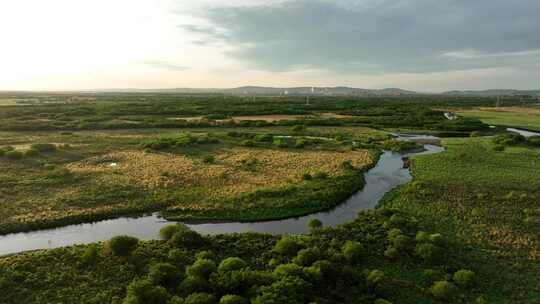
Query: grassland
[519, 117]
[95, 175]
[487, 200]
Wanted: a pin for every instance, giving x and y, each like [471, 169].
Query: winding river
[385, 176]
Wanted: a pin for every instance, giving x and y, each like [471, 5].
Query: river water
[385, 176]
[524, 133]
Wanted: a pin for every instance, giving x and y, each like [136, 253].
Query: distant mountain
[494, 92]
[324, 91]
[274, 91]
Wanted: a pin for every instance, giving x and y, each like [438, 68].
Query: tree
[285, 270]
[144, 292]
[375, 277]
[314, 224]
[306, 257]
[463, 277]
[232, 263]
[428, 252]
[232, 299]
[290, 290]
[193, 284]
[287, 246]
[353, 251]
[164, 274]
[202, 268]
[123, 245]
[187, 238]
[167, 232]
[443, 290]
[200, 298]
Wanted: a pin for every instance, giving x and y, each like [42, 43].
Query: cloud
[166, 65]
[377, 36]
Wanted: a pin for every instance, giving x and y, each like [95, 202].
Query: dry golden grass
[236, 171]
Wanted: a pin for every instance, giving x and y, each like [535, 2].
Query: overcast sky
[424, 45]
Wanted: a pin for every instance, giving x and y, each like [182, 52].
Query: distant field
[520, 117]
[8, 102]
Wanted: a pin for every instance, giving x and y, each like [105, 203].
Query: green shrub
[391, 253]
[431, 275]
[443, 290]
[123, 245]
[463, 277]
[31, 152]
[499, 148]
[280, 143]
[205, 255]
[393, 233]
[209, 159]
[247, 143]
[193, 284]
[321, 175]
[7, 148]
[422, 236]
[314, 224]
[263, 138]
[308, 256]
[143, 291]
[353, 251]
[480, 300]
[307, 176]
[90, 254]
[43, 147]
[382, 301]
[290, 290]
[164, 274]
[178, 257]
[167, 232]
[300, 143]
[375, 277]
[187, 238]
[287, 246]
[200, 298]
[428, 252]
[285, 270]
[14, 155]
[176, 300]
[401, 242]
[217, 116]
[437, 239]
[298, 128]
[534, 141]
[201, 268]
[509, 139]
[231, 264]
[232, 299]
[397, 221]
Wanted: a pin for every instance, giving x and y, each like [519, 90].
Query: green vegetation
[486, 200]
[345, 264]
[518, 117]
[466, 230]
[192, 175]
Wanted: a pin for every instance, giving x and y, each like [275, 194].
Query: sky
[422, 45]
